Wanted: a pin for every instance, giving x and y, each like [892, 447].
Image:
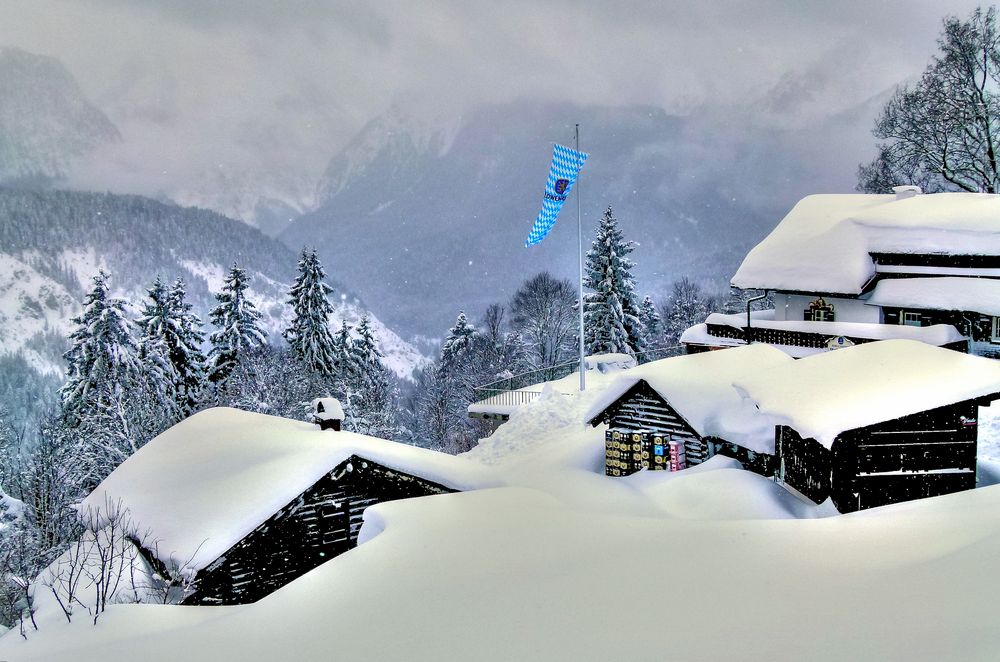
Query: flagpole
[579, 226]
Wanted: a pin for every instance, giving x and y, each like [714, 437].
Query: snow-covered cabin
[327, 413]
[687, 399]
[855, 268]
[875, 424]
[238, 504]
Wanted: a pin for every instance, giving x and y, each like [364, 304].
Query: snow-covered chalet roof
[823, 395]
[208, 481]
[823, 244]
[981, 295]
[700, 388]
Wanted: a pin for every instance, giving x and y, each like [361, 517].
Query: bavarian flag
[566, 164]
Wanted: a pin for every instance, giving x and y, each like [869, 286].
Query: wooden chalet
[239, 504]
[853, 269]
[686, 401]
[875, 424]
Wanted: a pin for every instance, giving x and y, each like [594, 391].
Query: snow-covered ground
[562, 563]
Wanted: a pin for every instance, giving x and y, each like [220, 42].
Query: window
[910, 319]
[818, 311]
[995, 333]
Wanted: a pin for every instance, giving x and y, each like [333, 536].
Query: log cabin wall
[642, 408]
[921, 455]
[319, 524]
[802, 464]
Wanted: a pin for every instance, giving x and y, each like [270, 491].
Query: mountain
[46, 124]
[407, 209]
[53, 242]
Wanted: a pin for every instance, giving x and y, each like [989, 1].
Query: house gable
[319, 524]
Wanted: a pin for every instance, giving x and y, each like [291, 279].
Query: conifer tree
[365, 346]
[457, 343]
[343, 346]
[185, 341]
[309, 334]
[154, 325]
[171, 338]
[652, 324]
[372, 408]
[611, 315]
[236, 320]
[103, 360]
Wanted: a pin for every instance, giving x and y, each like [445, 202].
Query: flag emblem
[566, 165]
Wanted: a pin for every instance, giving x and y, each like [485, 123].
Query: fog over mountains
[46, 123]
[425, 213]
[410, 208]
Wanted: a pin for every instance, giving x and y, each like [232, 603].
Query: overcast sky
[279, 86]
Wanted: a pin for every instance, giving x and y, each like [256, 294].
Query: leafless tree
[543, 314]
[942, 132]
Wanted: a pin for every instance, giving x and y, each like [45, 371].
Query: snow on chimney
[904, 192]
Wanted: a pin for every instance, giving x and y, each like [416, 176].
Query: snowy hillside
[30, 306]
[46, 124]
[54, 242]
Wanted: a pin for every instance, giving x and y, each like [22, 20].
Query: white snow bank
[700, 388]
[823, 244]
[514, 574]
[208, 481]
[981, 295]
[823, 395]
[609, 362]
[721, 489]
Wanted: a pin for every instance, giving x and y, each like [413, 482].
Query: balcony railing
[514, 391]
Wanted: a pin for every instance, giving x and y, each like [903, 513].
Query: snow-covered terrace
[824, 242]
[207, 482]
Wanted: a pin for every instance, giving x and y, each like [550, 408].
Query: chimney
[907, 191]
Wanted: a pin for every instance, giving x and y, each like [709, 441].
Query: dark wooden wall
[642, 408]
[319, 524]
[921, 455]
[802, 464]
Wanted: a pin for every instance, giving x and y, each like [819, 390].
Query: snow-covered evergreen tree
[155, 325]
[343, 347]
[611, 315]
[237, 326]
[652, 324]
[185, 340]
[372, 406]
[103, 362]
[112, 401]
[309, 334]
[456, 343]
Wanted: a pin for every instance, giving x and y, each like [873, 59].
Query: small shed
[238, 504]
[876, 424]
[686, 407]
[327, 413]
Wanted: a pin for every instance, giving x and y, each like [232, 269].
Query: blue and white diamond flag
[566, 164]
